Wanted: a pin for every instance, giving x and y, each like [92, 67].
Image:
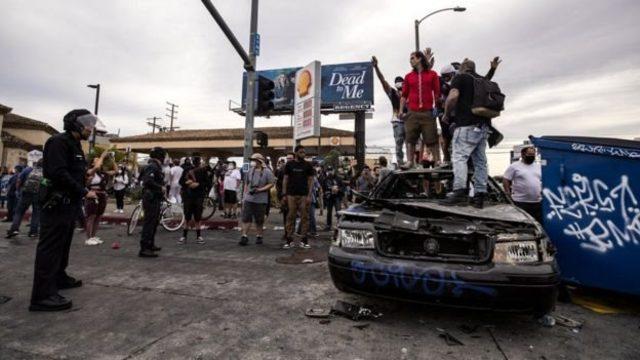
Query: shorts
[193, 208]
[420, 123]
[253, 212]
[230, 197]
[96, 206]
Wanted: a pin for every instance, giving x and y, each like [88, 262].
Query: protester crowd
[436, 120]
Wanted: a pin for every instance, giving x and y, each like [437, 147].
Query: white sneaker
[200, 240]
[91, 241]
[182, 240]
[98, 240]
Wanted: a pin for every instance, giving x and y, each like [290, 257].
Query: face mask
[254, 163]
[528, 159]
[231, 167]
[399, 85]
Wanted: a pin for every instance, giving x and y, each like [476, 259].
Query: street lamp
[417, 22]
[92, 141]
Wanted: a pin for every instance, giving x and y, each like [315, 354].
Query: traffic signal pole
[249, 65]
[251, 85]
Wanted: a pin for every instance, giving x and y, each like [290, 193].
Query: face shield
[88, 121]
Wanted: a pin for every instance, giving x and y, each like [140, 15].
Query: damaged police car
[401, 243]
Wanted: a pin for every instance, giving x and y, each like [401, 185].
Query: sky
[569, 67]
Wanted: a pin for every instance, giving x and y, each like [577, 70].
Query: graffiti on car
[432, 281]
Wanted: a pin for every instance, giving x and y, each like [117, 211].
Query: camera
[252, 190]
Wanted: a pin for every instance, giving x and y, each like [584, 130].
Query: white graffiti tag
[600, 216]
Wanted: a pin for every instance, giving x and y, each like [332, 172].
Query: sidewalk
[110, 217]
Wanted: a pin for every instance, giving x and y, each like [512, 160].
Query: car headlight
[516, 252]
[356, 239]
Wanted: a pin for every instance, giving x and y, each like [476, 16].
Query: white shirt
[232, 180]
[166, 170]
[120, 182]
[526, 182]
[176, 174]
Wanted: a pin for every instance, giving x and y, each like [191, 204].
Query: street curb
[122, 220]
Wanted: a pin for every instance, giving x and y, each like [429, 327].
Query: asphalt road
[222, 301]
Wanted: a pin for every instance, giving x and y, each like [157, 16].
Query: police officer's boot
[147, 253]
[478, 200]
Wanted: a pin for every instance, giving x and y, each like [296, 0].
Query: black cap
[399, 79]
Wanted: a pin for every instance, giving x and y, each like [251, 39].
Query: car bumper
[525, 288]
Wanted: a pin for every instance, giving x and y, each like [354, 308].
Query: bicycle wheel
[133, 220]
[209, 208]
[172, 217]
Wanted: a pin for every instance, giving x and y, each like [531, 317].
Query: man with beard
[420, 89]
[523, 182]
[63, 188]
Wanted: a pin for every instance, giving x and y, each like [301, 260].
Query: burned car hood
[504, 212]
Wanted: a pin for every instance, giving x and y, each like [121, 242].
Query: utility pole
[249, 65]
[152, 122]
[92, 139]
[172, 116]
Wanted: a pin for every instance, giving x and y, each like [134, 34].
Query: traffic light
[262, 139]
[265, 96]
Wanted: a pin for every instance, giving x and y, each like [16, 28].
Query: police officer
[153, 193]
[62, 190]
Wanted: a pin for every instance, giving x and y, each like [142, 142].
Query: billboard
[344, 87]
[306, 112]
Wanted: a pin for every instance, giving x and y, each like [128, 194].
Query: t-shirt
[394, 97]
[256, 179]
[232, 180]
[421, 90]
[201, 176]
[166, 170]
[464, 117]
[526, 182]
[298, 173]
[176, 174]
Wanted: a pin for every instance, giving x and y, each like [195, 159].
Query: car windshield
[426, 185]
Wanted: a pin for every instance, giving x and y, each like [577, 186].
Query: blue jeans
[332, 203]
[26, 200]
[398, 136]
[470, 142]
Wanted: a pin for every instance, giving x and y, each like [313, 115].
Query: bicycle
[171, 216]
[209, 207]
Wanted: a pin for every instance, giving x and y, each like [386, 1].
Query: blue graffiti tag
[432, 281]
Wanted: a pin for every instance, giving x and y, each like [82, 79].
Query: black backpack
[488, 101]
[32, 183]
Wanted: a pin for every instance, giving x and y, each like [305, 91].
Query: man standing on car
[152, 197]
[396, 120]
[523, 182]
[298, 185]
[64, 168]
[420, 89]
[258, 182]
[469, 139]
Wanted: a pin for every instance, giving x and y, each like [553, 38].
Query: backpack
[488, 101]
[32, 184]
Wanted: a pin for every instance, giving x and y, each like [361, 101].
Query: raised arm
[385, 84]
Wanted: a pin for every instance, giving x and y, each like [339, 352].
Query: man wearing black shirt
[298, 185]
[394, 94]
[195, 185]
[469, 138]
[64, 168]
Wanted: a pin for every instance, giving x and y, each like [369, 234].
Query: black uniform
[153, 183]
[64, 166]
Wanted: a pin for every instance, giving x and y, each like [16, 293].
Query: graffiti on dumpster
[433, 281]
[588, 207]
[606, 150]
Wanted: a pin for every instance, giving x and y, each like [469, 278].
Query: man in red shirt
[420, 88]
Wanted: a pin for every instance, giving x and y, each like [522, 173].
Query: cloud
[568, 68]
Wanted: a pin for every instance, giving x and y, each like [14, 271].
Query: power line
[152, 122]
[172, 116]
